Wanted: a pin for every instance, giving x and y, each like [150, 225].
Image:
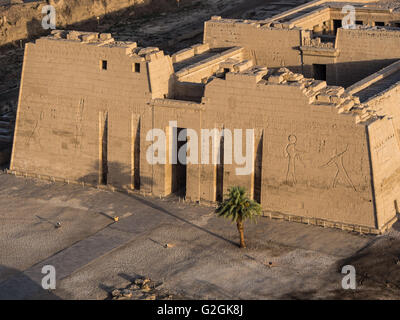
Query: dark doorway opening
[258, 170]
[220, 172]
[136, 158]
[336, 25]
[319, 72]
[103, 165]
[179, 171]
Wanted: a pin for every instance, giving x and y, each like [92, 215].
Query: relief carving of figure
[293, 155]
[337, 161]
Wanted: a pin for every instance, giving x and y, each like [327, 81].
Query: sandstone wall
[187, 115]
[327, 176]
[385, 157]
[83, 120]
[69, 107]
[266, 46]
[384, 136]
[322, 139]
[363, 52]
[360, 52]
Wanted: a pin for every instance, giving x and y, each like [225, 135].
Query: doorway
[319, 72]
[179, 170]
[103, 146]
[220, 172]
[336, 25]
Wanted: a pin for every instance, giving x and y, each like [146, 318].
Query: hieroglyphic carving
[293, 155]
[29, 138]
[396, 132]
[322, 145]
[337, 160]
[35, 129]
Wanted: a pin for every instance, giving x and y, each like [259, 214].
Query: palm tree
[238, 207]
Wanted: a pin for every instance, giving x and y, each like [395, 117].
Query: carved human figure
[337, 161]
[293, 154]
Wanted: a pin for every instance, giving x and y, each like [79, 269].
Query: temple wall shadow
[18, 286]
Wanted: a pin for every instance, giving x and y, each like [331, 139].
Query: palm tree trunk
[241, 232]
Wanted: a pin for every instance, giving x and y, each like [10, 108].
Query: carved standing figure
[293, 154]
[337, 160]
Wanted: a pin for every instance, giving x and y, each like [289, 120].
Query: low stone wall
[330, 224]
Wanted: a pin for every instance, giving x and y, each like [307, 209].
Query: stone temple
[323, 100]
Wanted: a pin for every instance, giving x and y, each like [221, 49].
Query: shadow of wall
[18, 286]
[116, 172]
[345, 74]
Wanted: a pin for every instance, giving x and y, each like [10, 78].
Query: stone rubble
[143, 288]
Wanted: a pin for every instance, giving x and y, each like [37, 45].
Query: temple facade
[301, 111]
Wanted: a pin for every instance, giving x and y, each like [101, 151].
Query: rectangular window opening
[104, 64]
[136, 67]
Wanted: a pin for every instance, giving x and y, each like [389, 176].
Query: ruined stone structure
[322, 100]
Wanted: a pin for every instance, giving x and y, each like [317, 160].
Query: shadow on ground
[20, 286]
[377, 266]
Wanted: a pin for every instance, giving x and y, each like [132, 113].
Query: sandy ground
[94, 255]
[27, 223]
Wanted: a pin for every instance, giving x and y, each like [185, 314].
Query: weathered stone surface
[320, 153]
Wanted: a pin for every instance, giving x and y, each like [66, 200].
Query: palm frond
[237, 205]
